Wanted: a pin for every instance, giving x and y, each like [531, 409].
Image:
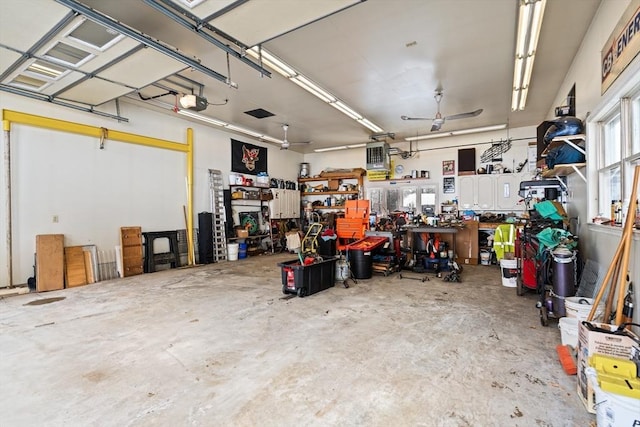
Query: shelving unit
[565, 169]
[257, 204]
[333, 182]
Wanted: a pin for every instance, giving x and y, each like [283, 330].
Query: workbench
[411, 231]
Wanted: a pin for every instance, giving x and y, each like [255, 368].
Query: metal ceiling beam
[196, 26]
[143, 38]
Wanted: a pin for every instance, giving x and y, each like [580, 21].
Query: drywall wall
[597, 243]
[64, 183]
[431, 153]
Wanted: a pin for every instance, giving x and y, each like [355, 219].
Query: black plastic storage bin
[308, 279]
[326, 248]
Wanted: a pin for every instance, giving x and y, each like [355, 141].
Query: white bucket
[232, 251]
[580, 307]
[613, 409]
[509, 270]
[485, 258]
[569, 331]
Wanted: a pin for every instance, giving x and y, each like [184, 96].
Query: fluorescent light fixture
[271, 139]
[278, 65]
[456, 132]
[340, 147]
[371, 125]
[310, 86]
[228, 126]
[273, 61]
[529, 25]
[322, 150]
[244, 130]
[523, 98]
[202, 118]
[342, 107]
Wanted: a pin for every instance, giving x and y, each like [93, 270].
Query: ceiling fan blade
[464, 115]
[436, 126]
[301, 143]
[415, 118]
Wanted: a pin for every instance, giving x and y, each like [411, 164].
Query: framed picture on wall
[448, 167]
[449, 185]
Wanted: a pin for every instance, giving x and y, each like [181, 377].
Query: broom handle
[612, 291]
[604, 284]
[628, 230]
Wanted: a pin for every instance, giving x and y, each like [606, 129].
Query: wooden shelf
[347, 175]
[563, 170]
[327, 207]
[559, 140]
[321, 193]
[256, 236]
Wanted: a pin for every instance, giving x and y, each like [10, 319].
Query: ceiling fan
[438, 120]
[285, 142]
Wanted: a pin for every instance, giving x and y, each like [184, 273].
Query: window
[619, 148]
[68, 54]
[95, 35]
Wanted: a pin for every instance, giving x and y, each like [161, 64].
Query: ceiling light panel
[25, 22]
[134, 70]
[46, 70]
[94, 35]
[66, 54]
[203, 8]
[246, 22]
[28, 82]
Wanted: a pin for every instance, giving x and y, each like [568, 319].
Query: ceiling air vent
[378, 156]
[259, 113]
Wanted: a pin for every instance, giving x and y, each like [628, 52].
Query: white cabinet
[285, 204]
[507, 187]
[497, 192]
[477, 192]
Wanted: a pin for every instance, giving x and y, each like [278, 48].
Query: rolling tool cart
[527, 262]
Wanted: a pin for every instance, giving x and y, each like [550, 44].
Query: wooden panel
[49, 262]
[75, 273]
[88, 267]
[131, 244]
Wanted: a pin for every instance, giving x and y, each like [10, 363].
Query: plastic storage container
[306, 280]
[509, 269]
[232, 251]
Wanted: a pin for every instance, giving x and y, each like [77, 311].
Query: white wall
[597, 243]
[93, 192]
[431, 154]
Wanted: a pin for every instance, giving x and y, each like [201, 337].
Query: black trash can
[361, 263]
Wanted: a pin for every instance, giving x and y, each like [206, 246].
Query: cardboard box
[467, 243]
[596, 342]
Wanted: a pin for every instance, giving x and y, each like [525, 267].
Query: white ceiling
[384, 58]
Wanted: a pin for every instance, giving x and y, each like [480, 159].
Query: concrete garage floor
[218, 345]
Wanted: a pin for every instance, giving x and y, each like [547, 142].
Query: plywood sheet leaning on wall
[131, 245]
[74, 266]
[49, 262]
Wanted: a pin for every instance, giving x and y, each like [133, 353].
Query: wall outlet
[55, 218]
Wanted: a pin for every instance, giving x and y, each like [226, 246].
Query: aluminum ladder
[216, 190]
